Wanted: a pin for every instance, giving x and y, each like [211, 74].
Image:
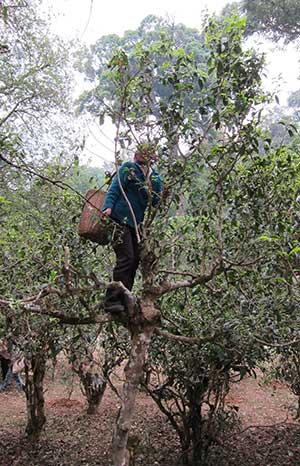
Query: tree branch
[166, 287]
[60, 184]
[183, 339]
[14, 109]
[277, 345]
[64, 319]
[176, 272]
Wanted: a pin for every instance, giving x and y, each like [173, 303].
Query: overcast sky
[88, 20]
[91, 19]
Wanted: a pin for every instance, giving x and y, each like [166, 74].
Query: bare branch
[277, 345]
[183, 339]
[67, 319]
[176, 272]
[59, 183]
[64, 319]
[241, 263]
[166, 287]
[14, 109]
[268, 426]
[66, 269]
[71, 292]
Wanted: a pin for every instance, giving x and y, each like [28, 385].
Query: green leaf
[294, 250]
[269, 238]
[5, 13]
[52, 275]
[3, 200]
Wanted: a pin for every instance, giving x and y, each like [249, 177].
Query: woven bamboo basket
[93, 225]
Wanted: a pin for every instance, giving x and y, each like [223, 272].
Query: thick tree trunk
[34, 373]
[94, 388]
[185, 443]
[196, 425]
[93, 383]
[133, 373]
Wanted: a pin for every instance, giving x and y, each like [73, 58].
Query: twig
[113, 388]
[270, 426]
[216, 269]
[66, 269]
[175, 272]
[15, 108]
[183, 339]
[241, 263]
[71, 320]
[60, 184]
[277, 345]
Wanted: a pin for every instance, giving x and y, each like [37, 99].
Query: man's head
[145, 154]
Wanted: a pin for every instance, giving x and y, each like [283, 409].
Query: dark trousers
[5, 363]
[127, 260]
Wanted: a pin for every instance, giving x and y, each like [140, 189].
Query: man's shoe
[114, 308]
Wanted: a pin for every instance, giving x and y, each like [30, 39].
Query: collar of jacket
[145, 169]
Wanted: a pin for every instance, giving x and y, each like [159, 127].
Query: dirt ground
[268, 435]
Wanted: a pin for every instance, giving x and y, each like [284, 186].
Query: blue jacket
[134, 184]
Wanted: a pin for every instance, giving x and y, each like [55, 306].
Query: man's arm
[114, 191]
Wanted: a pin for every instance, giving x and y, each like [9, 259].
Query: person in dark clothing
[5, 357]
[10, 366]
[126, 202]
[4, 366]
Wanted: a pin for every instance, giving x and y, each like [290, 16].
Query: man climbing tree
[135, 187]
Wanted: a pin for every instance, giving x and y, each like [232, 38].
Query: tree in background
[274, 18]
[294, 103]
[93, 61]
[39, 150]
[94, 357]
[36, 121]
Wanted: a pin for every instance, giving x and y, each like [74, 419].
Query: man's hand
[107, 212]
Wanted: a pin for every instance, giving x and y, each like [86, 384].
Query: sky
[91, 19]
[88, 20]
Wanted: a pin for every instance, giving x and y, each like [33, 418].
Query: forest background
[217, 296]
